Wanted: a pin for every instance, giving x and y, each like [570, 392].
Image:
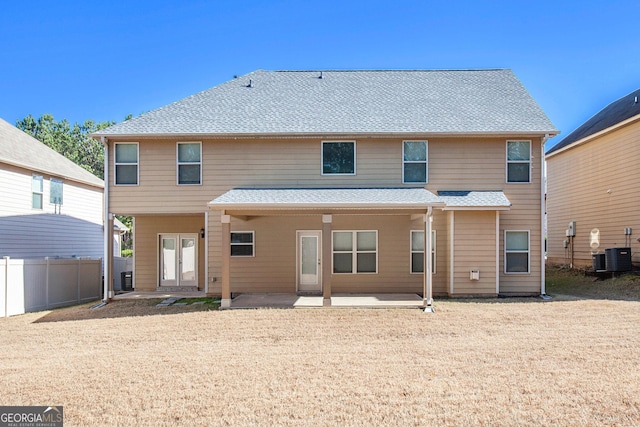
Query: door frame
[178, 259]
[317, 288]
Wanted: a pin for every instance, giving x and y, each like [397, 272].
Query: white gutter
[105, 220]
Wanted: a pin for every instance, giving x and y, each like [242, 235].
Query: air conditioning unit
[618, 259]
[599, 262]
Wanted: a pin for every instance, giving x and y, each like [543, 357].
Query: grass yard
[571, 361]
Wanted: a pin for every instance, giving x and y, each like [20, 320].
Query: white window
[338, 158]
[126, 162]
[414, 162]
[242, 243]
[518, 161]
[355, 252]
[417, 251]
[516, 251]
[189, 159]
[55, 191]
[36, 192]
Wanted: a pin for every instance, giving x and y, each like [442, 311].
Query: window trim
[528, 252]
[178, 163]
[433, 252]
[355, 157]
[518, 161]
[354, 251]
[40, 178]
[425, 161]
[116, 164]
[253, 244]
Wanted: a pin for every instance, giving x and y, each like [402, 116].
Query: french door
[178, 260]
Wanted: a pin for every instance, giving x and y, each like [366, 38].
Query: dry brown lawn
[507, 362]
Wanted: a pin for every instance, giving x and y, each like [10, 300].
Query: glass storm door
[309, 261]
[179, 260]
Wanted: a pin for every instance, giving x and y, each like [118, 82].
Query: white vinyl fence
[40, 284]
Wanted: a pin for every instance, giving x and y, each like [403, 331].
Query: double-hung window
[126, 163]
[417, 251]
[242, 243]
[518, 161]
[516, 251]
[414, 162]
[338, 158]
[36, 192]
[189, 157]
[355, 252]
[55, 191]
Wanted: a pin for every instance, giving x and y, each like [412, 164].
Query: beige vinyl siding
[454, 164]
[474, 249]
[578, 184]
[146, 239]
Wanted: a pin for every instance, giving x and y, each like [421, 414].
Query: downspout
[428, 268]
[106, 264]
[543, 209]
[206, 251]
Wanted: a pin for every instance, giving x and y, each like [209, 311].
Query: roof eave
[320, 206]
[301, 135]
[593, 136]
[55, 174]
[476, 208]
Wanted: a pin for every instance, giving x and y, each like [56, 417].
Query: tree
[73, 142]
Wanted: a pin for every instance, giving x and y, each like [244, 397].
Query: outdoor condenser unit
[618, 259]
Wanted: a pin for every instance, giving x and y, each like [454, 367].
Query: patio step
[177, 289]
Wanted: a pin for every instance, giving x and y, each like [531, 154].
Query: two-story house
[322, 182]
[593, 185]
[49, 206]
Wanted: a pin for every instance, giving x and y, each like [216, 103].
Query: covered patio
[327, 205]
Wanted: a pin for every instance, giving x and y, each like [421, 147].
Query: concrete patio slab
[277, 300]
[162, 295]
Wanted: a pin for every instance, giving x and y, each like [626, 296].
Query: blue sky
[102, 60]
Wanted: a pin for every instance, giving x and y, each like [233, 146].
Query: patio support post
[428, 268]
[226, 258]
[326, 259]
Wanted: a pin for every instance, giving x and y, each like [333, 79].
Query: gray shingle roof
[474, 199]
[312, 198]
[20, 149]
[614, 113]
[356, 198]
[350, 102]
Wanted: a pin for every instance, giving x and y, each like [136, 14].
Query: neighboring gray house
[49, 206]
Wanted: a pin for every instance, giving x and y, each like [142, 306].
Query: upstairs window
[516, 248]
[36, 192]
[55, 192]
[126, 164]
[189, 157]
[518, 161]
[414, 162]
[339, 158]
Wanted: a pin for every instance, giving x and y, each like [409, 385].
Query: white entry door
[178, 260]
[309, 261]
